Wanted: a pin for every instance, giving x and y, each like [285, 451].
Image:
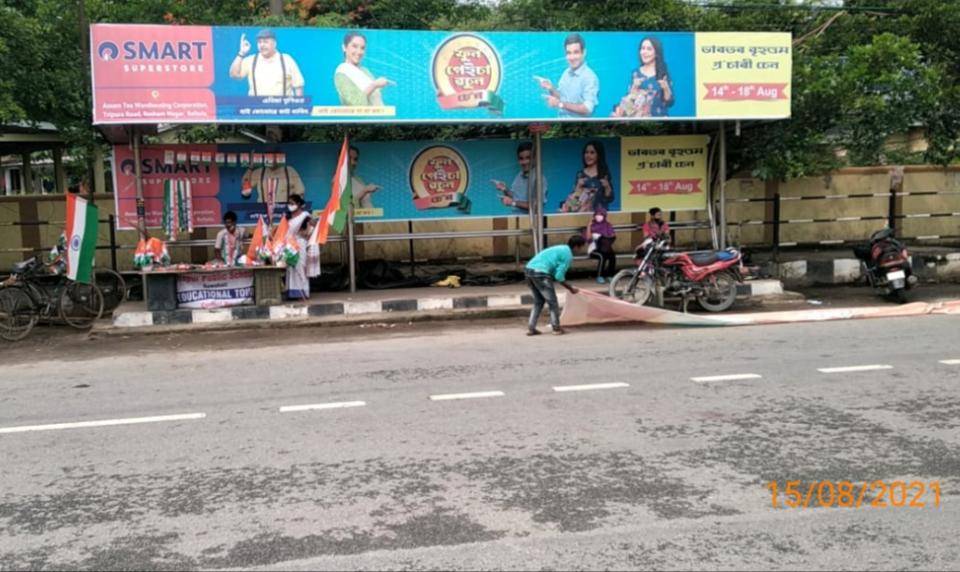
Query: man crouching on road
[545, 268]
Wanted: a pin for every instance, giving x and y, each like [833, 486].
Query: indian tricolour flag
[81, 238]
[335, 215]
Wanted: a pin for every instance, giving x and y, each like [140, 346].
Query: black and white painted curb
[140, 319]
[848, 271]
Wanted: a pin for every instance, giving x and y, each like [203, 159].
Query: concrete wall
[873, 180]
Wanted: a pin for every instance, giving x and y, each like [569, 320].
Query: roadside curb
[355, 313]
[927, 267]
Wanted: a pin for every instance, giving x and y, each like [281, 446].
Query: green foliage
[877, 68]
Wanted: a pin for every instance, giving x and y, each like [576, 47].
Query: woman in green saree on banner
[355, 84]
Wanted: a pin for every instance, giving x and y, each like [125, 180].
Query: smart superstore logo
[138, 56]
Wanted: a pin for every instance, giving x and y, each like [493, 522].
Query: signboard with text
[419, 180]
[203, 74]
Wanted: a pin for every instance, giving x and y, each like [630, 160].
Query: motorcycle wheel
[720, 297]
[629, 287]
[899, 296]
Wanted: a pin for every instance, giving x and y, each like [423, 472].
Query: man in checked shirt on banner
[577, 93]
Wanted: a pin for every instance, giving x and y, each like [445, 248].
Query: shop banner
[201, 74]
[204, 290]
[419, 180]
[669, 172]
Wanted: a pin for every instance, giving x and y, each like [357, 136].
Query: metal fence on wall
[891, 218]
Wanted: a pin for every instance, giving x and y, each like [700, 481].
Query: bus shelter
[145, 75]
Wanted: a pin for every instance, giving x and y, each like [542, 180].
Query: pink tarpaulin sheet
[587, 307]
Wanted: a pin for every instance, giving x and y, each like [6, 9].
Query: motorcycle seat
[704, 257]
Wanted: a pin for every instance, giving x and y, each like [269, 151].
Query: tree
[863, 71]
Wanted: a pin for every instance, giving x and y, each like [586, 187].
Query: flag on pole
[81, 238]
[280, 233]
[341, 195]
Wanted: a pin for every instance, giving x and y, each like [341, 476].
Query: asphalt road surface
[193, 451]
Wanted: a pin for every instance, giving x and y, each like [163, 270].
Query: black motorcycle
[885, 263]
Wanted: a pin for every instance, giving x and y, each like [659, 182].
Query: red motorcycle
[709, 276]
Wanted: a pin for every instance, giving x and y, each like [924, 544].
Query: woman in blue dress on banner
[650, 91]
[592, 188]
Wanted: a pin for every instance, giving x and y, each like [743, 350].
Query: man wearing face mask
[655, 225]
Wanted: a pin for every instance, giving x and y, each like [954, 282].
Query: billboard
[418, 180]
[203, 74]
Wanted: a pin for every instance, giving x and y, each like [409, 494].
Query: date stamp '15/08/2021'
[846, 494]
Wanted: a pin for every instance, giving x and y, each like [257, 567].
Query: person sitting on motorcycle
[654, 228]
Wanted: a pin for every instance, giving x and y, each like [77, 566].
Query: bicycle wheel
[80, 304]
[17, 316]
[113, 287]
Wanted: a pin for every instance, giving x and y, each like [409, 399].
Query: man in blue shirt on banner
[518, 194]
[542, 271]
[578, 91]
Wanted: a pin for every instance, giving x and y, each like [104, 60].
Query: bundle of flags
[149, 252]
[177, 207]
[260, 248]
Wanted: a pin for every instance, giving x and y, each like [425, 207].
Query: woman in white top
[298, 221]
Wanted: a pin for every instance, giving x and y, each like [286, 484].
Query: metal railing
[891, 218]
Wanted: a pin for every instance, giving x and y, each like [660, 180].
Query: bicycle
[25, 299]
[113, 287]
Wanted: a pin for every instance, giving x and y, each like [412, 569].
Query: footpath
[770, 288]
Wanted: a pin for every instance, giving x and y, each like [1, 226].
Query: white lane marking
[317, 406]
[732, 377]
[474, 395]
[103, 423]
[950, 361]
[873, 367]
[562, 388]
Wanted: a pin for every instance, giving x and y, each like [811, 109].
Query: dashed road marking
[321, 406]
[562, 388]
[731, 377]
[950, 361]
[852, 368]
[474, 395]
[103, 423]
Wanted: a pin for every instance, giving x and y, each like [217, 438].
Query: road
[657, 471]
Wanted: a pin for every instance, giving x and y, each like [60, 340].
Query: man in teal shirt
[542, 271]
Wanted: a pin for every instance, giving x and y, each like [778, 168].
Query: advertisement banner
[215, 289]
[202, 74]
[422, 180]
[669, 172]
[743, 74]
